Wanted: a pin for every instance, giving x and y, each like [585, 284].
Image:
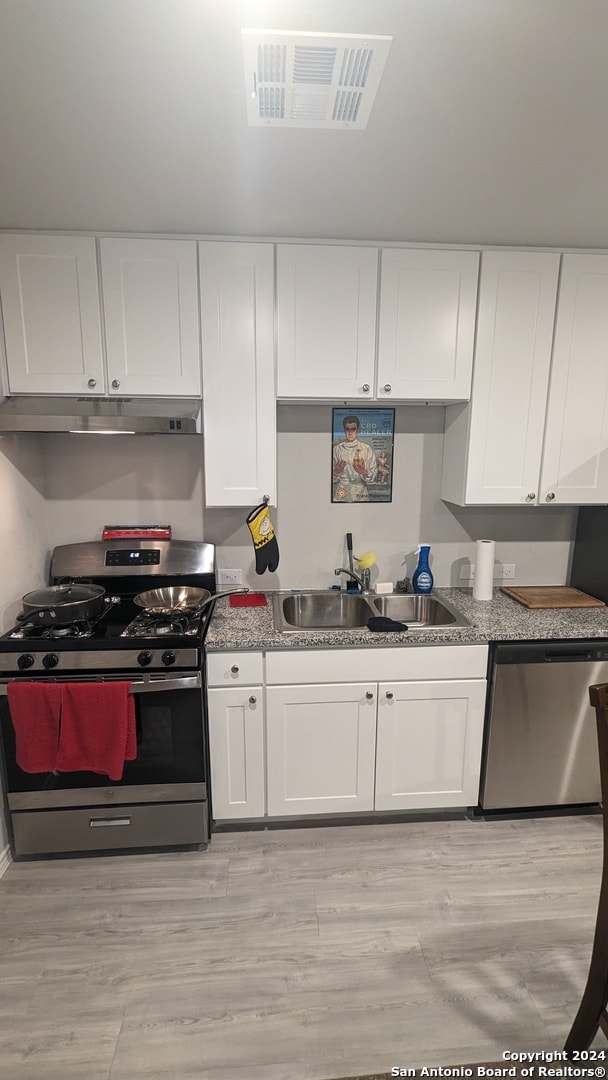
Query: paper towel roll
[484, 569]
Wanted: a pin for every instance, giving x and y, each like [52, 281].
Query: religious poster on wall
[362, 455]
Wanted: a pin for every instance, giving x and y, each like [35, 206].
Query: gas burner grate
[82, 628]
[180, 624]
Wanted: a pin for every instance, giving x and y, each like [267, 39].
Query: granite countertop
[499, 619]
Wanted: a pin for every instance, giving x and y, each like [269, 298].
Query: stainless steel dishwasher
[541, 744]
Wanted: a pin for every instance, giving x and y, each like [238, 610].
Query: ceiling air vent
[296, 79]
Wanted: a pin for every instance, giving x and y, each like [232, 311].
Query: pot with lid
[60, 605]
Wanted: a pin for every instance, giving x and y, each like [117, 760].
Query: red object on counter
[252, 599]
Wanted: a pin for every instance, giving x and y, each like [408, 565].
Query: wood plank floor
[299, 954]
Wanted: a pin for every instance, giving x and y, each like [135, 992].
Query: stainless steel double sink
[315, 610]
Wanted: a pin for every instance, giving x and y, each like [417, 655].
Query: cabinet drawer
[344, 665]
[109, 829]
[234, 669]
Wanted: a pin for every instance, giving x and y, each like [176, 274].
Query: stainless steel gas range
[161, 799]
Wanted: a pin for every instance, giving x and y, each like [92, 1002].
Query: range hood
[102, 416]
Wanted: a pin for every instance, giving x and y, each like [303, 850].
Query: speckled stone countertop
[499, 619]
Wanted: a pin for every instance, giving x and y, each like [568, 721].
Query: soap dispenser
[422, 580]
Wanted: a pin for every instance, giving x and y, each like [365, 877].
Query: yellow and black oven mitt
[264, 540]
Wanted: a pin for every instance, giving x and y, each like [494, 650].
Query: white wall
[24, 542]
[311, 530]
[98, 480]
[158, 479]
[24, 532]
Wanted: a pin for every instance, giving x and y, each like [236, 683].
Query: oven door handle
[186, 682]
[140, 686]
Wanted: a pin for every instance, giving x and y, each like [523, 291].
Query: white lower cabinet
[236, 735]
[320, 748]
[429, 744]
[236, 743]
[304, 739]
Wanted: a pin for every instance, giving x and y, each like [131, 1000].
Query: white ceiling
[490, 124]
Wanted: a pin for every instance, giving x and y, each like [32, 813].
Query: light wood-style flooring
[299, 954]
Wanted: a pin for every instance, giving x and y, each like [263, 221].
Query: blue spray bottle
[422, 580]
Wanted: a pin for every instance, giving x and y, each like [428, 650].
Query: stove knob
[168, 657]
[25, 661]
[144, 659]
[50, 660]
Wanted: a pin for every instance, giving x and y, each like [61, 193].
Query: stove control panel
[133, 557]
[99, 661]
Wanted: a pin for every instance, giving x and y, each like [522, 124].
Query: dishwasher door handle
[551, 657]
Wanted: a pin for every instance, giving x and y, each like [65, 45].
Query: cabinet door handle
[115, 384]
[253, 699]
[92, 383]
[365, 388]
[530, 497]
[235, 669]
[387, 388]
[550, 496]
[369, 695]
[389, 694]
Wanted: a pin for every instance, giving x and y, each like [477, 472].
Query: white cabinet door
[326, 314]
[575, 455]
[428, 300]
[493, 445]
[236, 750]
[239, 412]
[429, 744]
[320, 748]
[49, 291]
[150, 297]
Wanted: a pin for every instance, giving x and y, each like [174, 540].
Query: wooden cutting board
[551, 596]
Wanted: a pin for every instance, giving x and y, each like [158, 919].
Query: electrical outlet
[230, 577]
[502, 571]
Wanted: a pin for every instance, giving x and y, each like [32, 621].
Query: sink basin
[417, 609]
[322, 611]
[315, 610]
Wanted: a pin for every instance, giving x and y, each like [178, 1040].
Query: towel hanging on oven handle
[140, 686]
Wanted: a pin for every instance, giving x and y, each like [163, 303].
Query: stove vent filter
[296, 79]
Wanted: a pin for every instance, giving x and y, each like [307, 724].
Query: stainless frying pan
[179, 598]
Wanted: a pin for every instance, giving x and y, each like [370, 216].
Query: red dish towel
[35, 709]
[97, 728]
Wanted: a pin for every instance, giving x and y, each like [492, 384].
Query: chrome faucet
[361, 579]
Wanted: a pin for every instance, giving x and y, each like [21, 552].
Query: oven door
[171, 762]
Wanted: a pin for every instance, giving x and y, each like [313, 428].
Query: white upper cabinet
[51, 312]
[150, 299]
[428, 300]
[239, 420]
[575, 455]
[536, 429]
[326, 321]
[493, 446]
[50, 293]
